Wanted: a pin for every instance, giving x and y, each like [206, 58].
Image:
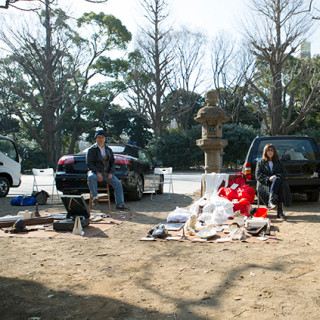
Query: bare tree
[189, 50]
[189, 72]
[274, 34]
[230, 65]
[150, 78]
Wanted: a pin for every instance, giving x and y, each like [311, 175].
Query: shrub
[178, 149]
[239, 140]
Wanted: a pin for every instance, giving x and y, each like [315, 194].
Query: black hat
[99, 133]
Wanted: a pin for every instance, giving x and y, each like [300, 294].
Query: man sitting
[100, 161]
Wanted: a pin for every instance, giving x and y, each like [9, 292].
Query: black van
[301, 157]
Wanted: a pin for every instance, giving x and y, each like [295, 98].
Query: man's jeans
[115, 183]
[277, 188]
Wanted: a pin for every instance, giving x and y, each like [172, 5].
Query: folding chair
[104, 198]
[167, 179]
[40, 179]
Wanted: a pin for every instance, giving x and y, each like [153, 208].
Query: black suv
[300, 156]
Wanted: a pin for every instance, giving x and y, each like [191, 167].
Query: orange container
[261, 213]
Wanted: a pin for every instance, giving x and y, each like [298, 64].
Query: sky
[208, 16]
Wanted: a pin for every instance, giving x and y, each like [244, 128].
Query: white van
[10, 165]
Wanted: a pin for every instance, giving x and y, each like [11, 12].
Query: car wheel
[4, 186]
[313, 196]
[137, 193]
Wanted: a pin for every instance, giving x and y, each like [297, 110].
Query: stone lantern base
[212, 148]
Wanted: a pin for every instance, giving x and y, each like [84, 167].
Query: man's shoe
[122, 207]
[271, 205]
[94, 202]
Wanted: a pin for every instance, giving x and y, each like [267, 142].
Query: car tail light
[247, 171]
[66, 160]
[121, 160]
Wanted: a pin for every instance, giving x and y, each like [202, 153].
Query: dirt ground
[115, 276]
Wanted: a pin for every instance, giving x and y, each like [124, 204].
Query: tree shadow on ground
[212, 299]
[23, 299]
[301, 210]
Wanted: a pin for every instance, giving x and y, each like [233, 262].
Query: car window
[117, 149]
[144, 157]
[7, 148]
[291, 149]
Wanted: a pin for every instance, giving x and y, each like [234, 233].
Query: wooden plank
[28, 222]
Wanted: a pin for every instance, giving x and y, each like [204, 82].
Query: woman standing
[270, 175]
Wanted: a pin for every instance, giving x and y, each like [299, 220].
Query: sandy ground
[115, 276]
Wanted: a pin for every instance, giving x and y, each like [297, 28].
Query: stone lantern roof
[211, 113]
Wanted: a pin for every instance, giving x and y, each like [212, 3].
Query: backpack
[41, 196]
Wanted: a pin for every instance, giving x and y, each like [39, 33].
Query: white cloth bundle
[213, 181]
[215, 210]
[179, 215]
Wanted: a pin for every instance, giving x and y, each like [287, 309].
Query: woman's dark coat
[263, 174]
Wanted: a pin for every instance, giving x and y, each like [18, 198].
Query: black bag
[75, 206]
[41, 196]
[68, 224]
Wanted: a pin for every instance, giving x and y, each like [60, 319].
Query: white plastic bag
[202, 202]
[179, 215]
[218, 216]
[222, 202]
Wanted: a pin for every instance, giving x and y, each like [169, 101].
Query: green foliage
[32, 158]
[45, 81]
[8, 124]
[123, 125]
[178, 149]
[239, 138]
[117, 34]
[108, 67]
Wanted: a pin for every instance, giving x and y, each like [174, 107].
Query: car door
[9, 160]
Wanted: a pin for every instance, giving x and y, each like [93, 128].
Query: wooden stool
[103, 198]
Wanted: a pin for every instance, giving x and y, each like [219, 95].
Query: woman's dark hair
[275, 153]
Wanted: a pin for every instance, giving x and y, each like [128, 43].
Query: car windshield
[8, 149]
[290, 149]
[117, 149]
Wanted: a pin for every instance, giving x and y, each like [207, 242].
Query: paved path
[183, 183]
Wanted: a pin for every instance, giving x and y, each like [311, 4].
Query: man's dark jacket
[96, 163]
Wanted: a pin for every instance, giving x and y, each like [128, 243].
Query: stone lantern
[212, 143]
